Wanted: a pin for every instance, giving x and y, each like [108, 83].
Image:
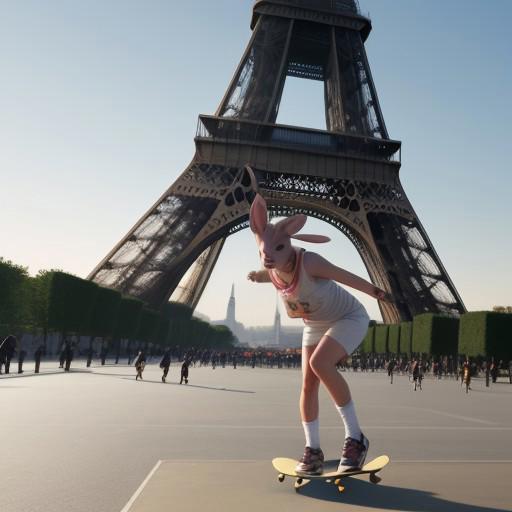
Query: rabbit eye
[280, 247]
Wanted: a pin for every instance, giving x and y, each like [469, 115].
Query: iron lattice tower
[347, 175]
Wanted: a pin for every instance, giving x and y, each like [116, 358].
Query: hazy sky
[98, 110]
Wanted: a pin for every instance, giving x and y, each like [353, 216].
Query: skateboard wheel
[281, 477]
[374, 479]
[341, 488]
[299, 481]
[337, 481]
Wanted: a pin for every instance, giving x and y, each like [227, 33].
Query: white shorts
[349, 331]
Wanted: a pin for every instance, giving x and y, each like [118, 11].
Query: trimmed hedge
[128, 318]
[368, 344]
[394, 339]
[148, 325]
[104, 313]
[486, 333]
[381, 339]
[435, 334]
[405, 344]
[70, 303]
[14, 295]
[40, 286]
[163, 329]
[177, 310]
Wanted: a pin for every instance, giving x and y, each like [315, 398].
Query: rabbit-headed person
[335, 324]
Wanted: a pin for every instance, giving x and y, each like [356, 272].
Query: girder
[347, 175]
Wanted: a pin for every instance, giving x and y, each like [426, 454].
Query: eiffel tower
[347, 175]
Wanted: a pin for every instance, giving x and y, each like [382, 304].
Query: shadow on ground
[365, 494]
[159, 382]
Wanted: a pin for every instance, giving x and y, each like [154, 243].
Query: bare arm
[259, 276]
[317, 266]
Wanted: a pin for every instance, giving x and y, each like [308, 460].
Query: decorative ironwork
[346, 176]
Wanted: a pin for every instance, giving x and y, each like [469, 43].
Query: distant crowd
[415, 367]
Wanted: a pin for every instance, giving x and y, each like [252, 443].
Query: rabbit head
[274, 240]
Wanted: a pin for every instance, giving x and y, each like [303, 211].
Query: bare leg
[323, 363]
[309, 408]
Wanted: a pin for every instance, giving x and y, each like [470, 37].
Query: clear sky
[98, 110]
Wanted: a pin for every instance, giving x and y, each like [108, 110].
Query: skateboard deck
[286, 467]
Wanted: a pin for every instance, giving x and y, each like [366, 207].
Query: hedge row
[483, 333]
[406, 338]
[368, 344]
[60, 302]
[381, 339]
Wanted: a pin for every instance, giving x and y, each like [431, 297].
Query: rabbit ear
[314, 239]
[258, 215]
[292, 224]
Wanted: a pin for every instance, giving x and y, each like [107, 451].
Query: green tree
[222, 337]
[15, 309]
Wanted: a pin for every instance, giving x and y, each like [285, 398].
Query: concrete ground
[100, 441]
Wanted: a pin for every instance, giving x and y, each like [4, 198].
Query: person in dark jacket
[62, 355]
[68, 355]
[165, 363]
[140, 364]
[21, 359]
[3, 347]
[184, 371]
[8, 350]
[37, 357]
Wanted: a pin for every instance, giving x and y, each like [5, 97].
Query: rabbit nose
[266, 256]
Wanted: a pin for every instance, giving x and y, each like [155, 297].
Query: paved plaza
[97, 440]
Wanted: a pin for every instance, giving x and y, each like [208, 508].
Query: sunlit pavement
[100, 441]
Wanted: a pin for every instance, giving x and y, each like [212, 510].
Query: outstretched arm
[317, 266]
[259, 276]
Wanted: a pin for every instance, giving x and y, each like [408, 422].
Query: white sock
[348, 415]
[312, 432]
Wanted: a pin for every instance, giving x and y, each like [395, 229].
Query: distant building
[277, 327]
[272, 336]
[231, 312]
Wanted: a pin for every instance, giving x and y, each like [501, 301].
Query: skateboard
[286, 467]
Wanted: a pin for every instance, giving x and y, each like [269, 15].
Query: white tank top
[314, 299]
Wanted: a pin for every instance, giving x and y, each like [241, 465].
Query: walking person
[140, 364]
[9, 347]
[417, 373]
[466, 374]
[37, 357]
[3, 352]
[68, 355]
[335, 324]
[184, 371]
[62, 355]
[165, 363]
[21, 359]
[494, 371]
[391, 367]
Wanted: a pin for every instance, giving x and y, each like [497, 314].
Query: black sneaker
[354, 454]
[312, 462]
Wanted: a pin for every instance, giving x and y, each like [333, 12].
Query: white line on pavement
[251, 427]
[136, 494]
[450, 415]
